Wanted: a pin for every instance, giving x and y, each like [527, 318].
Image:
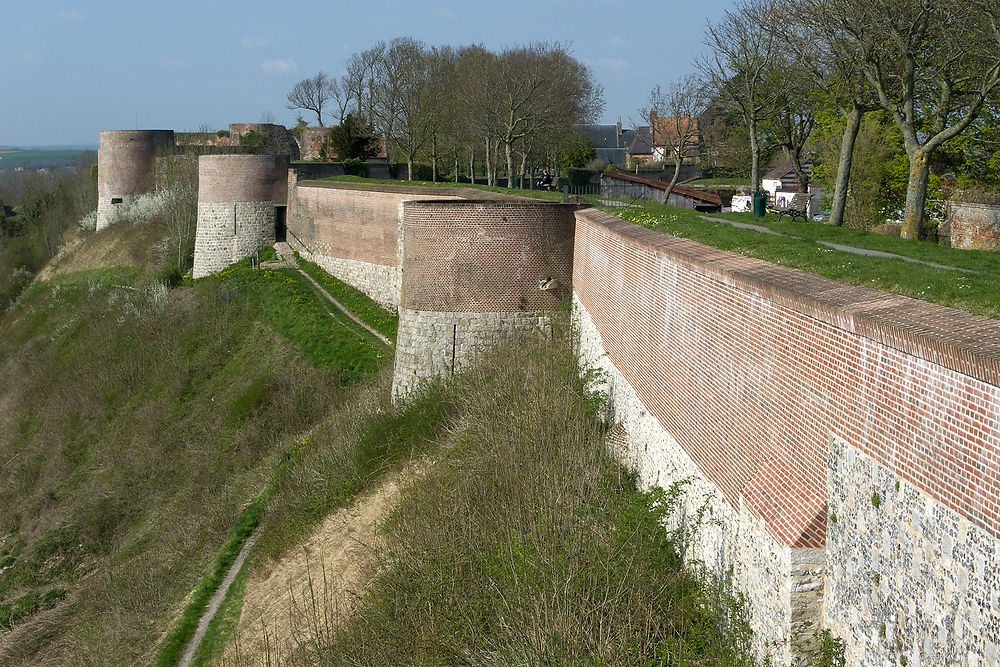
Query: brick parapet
[486, 256]
[886, 372]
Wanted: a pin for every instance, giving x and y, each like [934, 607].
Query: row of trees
[513, 108]
[931, 68]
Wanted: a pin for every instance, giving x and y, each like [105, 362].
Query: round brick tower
[126, 162]
[475, 273]
[241, 203]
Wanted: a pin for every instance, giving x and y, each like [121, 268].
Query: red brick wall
[243, 178]
[126, 160]
[752, 367]
[486, 256]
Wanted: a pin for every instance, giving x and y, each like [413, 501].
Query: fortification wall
[126, 162]
[352, 229]
[475, 273]
[974, 226]
[777, 390]
[237, 200]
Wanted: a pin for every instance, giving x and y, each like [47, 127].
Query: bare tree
[933, 64]
[358, 79]
[523, 90]
[312, 94]
[672, 115]
[741, 70]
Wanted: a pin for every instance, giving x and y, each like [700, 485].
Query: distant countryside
[38, 158]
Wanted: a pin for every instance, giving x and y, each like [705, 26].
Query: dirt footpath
[290, 601]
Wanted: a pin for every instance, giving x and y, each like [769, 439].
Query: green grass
[977, 293]
[534, 194]
[32, 159]
[526, 543]
[187, 622]
[354, 300]
[288, 302]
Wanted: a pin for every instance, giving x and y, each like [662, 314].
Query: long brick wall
[754, 370]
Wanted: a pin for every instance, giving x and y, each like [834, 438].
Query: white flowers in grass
[143, 208]
[89, 222]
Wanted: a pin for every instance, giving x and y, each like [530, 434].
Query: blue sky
[70, 70]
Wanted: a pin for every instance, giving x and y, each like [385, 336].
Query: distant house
[666, 131]
[641, 149]
[781, 184]
[611, 142]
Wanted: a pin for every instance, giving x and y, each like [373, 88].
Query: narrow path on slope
[837, 246]
[187, 658]
[310, 590]
[288, 258]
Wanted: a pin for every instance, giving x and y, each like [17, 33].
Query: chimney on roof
[618, 133]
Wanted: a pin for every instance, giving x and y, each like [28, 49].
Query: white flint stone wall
[783, 586]
[909, 578]
[228, 232]
[432, 344]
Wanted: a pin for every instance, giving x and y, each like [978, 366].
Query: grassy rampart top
[463, 190]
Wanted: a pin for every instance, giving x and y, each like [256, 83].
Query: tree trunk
[434, 158]
[673, 180]
[754, 157]
[509, 154]
[489, 173]
[409, 168]
[456, 165]
[524, 162]
[844, 168]
[472, 166]
[800, 174]
[916, 194]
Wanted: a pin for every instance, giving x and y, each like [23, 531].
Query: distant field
[38, 159]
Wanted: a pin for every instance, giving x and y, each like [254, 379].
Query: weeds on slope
[135, 424]
[527, 544]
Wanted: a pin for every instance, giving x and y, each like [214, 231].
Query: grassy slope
[136, 425]
[525, 544]
[977, 292]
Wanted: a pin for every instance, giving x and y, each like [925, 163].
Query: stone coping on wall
[960, 341]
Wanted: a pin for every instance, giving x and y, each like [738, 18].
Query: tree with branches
[312, 94]
[672, 114]
[741, 70]
[933, 65]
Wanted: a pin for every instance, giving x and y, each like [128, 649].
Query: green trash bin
[517, 181]
[759, 203]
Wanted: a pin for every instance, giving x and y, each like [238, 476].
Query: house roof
[642, 143]
[606, 136]
[663, 185]
[665, 129]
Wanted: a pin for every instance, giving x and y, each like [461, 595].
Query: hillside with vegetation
[149, 425]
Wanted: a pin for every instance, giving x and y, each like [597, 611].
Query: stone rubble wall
[229, 232]
[774, 578]
[909, 578]
[974, 226]
[380, 283]
[431, 345]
